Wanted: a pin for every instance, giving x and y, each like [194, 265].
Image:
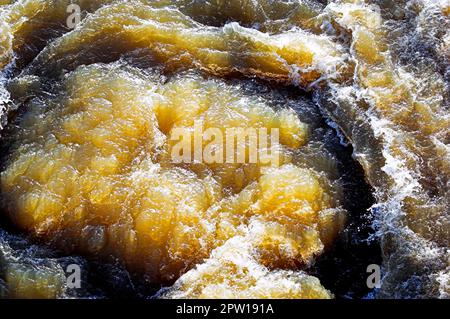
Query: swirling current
[358, 91]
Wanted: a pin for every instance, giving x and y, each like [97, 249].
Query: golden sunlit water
[357, 89]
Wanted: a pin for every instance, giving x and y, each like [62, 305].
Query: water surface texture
[357, 89]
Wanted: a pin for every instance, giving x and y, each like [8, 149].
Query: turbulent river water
[357, 89]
